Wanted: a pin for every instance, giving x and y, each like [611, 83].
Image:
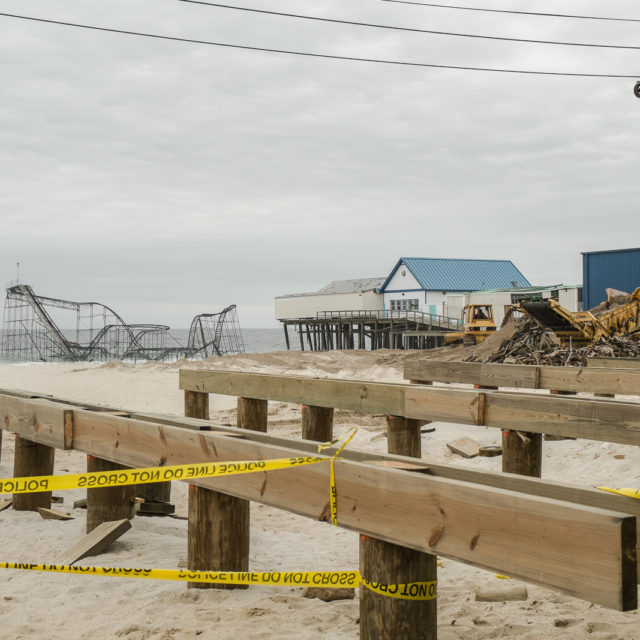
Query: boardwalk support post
[386, 563]
[32, 459]
[218, 530]
[106, 504]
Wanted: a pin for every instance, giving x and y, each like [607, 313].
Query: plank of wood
[6, 503]
[54, 514]
[490, 374]
[37, 419]
[587, 552]
[465, 447]
[366, 397]
[95, 542]
[615, 363]
[527, 376]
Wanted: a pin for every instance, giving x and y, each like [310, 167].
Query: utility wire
[319, 55]
[411, 29]
[510, 11]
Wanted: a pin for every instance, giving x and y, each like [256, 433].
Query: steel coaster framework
[31, 332]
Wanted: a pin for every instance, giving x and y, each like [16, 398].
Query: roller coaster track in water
[32, 332]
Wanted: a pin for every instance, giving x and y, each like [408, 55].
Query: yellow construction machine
[583, 327]
[478, 323]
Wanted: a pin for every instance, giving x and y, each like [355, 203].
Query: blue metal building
[616, 269]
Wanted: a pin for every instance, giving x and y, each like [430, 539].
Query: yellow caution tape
[333, 494]
[630, 493]
[97, 479]
[501, 577]
[324, 579]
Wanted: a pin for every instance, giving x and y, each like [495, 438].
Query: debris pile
[529, 342]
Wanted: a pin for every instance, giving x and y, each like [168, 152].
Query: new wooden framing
[588, 379]
[594, 419]
[585, 551]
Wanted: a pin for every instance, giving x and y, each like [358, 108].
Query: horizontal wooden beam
[520, 376]
[366, 397]
[532, 486]
[601, 419]
[39, 420]
[614, 363]
[587, 552]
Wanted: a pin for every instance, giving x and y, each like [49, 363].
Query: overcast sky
[167, 179]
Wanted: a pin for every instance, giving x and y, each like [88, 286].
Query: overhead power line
[318, 55]
[513, 12]
[411, 29]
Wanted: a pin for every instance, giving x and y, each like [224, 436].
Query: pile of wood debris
[531, 343]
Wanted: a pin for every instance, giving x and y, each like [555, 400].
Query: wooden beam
[614, 363]
[587, 552]
[41, 420]
[367, 397]
[594, 419]
[527, 376]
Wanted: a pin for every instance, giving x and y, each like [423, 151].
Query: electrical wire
[318, 55]
[411, 29]
[513, 12]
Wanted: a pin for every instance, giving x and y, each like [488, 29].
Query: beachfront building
[423, 284]
[340, 295]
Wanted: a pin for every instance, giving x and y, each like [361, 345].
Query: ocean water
[255, 340]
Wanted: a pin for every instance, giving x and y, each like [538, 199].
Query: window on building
[413, 304]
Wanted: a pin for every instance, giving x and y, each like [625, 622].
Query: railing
[386, 314]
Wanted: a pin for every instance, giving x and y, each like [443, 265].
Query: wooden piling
[404, 436]
[32, 459]
[107, 504]
[252, 414]
[385, 617]
[218, 529]
[317, 423]
[386, 563]
[522, 453]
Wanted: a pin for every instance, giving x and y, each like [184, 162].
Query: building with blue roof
[422, 284]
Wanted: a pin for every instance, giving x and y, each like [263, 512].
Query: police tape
[324, 579]
[97, 479]
[630, 493]
[333, 493]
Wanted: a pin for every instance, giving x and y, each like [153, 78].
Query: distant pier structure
[362, 329]
[359, 319]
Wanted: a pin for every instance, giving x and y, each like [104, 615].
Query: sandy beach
[52, 606]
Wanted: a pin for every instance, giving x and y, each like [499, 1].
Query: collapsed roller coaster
[94, 332]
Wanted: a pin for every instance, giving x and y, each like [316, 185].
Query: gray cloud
[173, 178]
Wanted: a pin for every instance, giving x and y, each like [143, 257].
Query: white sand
[52, 606]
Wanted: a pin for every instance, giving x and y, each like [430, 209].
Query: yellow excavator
[478, 323]
[583, 327]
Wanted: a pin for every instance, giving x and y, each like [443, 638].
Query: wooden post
[301, 336]
[252, 414]
[32, 459]
[522, 453]
[384, 617]
[317, 423]
[386, 563]
[286, 336]
[404, 436]
[218, 529]
[106, 504]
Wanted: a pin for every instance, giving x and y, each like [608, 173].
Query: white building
[340, 295]
[424, 284]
